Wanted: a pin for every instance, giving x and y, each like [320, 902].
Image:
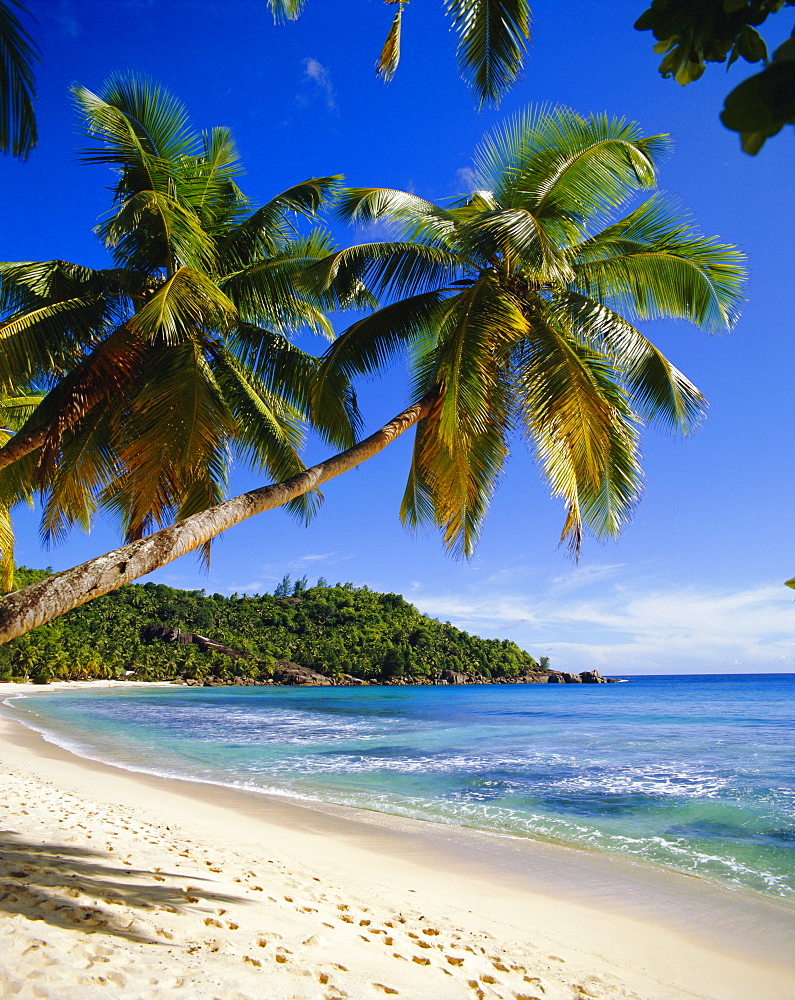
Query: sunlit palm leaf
[417, 219]
[151, 228]
[582, 426]
[654, 264]
[140, 126]
[659, 391]
[188, 301]
[461, 447]
[6, 551]
[267, 230]
[87, 464]
[269, 432]
[324, 394]
[410, 268]
[286, 10]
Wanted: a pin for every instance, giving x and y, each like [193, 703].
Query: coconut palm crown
[159, 369]
[519, 304]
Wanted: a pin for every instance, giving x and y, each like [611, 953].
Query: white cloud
[628, 628]
[316, 73]
[253, 587]
[274, 572]
[467, 179]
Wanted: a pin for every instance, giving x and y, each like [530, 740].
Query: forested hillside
[337, 631]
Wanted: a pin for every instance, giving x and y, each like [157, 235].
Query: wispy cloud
[66, 19]
[273, 572]
[606, 621]
[318, 77]
[466, 179]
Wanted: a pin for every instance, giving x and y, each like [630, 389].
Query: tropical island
[300, 634]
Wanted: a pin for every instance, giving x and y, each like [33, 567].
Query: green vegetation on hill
[334, 630]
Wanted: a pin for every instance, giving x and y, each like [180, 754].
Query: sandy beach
[121, 884]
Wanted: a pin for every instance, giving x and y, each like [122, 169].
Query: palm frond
[388, 60]
[567, 169]
[151, 231]
[6, 551]
[100, 375]
[286, 10]
[18, 52]
[583, 428]
[87, 464]
[276, 292]
[186, 303]
[47, 339]
[16, 410]
[517, 239]
[270, 431]
[418, 220]
[140, 127]
[696, 279]
[659, 391]
[492, 40]
[372, 342]
[324, 396]
[406, 268]
[207, 183]
[461, 446]
[267, 231]
[171, 431]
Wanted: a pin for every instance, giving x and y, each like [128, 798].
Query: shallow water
[695, 773]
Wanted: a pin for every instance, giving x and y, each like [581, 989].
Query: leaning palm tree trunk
[41, 602]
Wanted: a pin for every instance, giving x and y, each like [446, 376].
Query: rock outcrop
[285, 672]
[585, 677]
[169, 634]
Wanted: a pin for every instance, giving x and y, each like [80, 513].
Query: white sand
[115, 884]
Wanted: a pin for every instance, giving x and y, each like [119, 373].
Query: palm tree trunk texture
[25, 609]
[21, 445]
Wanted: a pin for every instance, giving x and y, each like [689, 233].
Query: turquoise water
[695, 773]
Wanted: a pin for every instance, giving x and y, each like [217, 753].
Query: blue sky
[695, 582]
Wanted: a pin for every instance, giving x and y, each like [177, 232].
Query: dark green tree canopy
[693, 33]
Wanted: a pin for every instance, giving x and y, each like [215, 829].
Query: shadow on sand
[76, 888]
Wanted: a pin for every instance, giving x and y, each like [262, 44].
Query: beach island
[116, 884]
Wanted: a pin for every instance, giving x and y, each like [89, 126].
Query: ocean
[692, 773]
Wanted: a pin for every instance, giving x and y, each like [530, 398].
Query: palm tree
[17, 87]
[519, 304]
[523, 299]
[162, 365]
[492, 40]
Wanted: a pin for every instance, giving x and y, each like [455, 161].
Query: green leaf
[762, 105]
[18, 52]
[492, 41]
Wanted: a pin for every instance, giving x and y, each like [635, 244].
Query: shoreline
[576, 923]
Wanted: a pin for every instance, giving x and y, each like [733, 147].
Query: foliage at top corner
[18, 52]
[692, 33]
